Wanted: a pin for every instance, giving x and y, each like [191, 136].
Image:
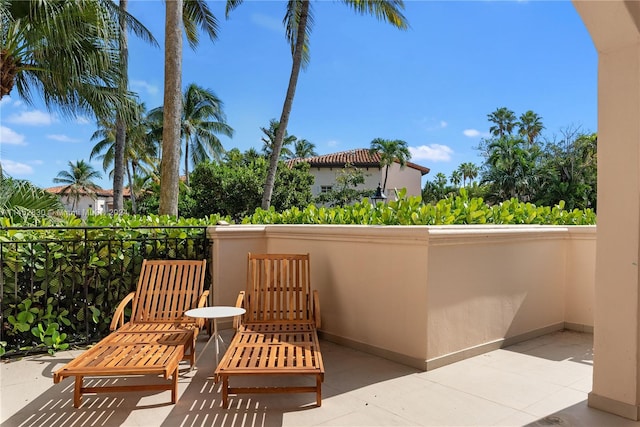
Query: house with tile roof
[101, 202]
[326, 167]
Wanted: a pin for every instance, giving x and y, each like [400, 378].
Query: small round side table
[215, 313]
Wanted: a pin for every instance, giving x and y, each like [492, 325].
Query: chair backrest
[278, 288]
[166, 289]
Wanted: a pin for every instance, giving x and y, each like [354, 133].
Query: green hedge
[412, 211]
[61, 284]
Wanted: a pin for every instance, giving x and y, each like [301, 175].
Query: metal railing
[69, 280]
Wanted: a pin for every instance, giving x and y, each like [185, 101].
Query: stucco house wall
[99, 203]
[327, 167]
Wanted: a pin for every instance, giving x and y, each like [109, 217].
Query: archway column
[615, 29]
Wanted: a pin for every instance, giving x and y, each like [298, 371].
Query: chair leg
[225, 392]
[174, 389]
[318, 390]
[192, 360]
[77, 391]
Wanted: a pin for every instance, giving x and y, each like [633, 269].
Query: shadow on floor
[572, 347]
[582, 415]
[199, 400]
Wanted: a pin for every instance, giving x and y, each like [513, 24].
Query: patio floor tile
[540, 382]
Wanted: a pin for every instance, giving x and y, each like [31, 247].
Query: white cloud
[32, 118]
[82, 120]
[146, 86]
[14, 168]
[333, 143]
[474, 133]
[267, 22]
[5, 100]
[430, 124]
[9, 136]
[433, 152]
[62, 138]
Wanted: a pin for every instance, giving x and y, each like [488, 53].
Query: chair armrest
[316, 308]
[203, 301]
[237, 320]
[118, 316]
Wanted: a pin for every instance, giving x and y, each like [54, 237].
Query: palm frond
[196, 13]
[385, 10]
[231, 5]
[291, 21]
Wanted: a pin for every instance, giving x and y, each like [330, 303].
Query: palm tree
[304, 148]
[202, 119]
[530, 125]
[510, 168]
[455, 178]
[269, 139]
[298, 21]
[23, 203]
[140, 151]
[121, 134]
[121, 126]
[437, 189]
[469, 171]
[172, 106]
[190, 14]
[79, 181]
[504, 120]
[64, 51]
[390, 151]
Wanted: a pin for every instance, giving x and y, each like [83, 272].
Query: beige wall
[488, 284]
[615, 29]
[427, 296]
[327, 176]
[84, 205]
[407, 177]
[580, 276]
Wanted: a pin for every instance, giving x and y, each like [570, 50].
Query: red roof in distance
[359, 157]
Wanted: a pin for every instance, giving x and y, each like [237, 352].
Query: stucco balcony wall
[427, 296]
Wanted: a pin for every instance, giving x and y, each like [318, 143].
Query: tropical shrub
[234, 187]
[412, 211]
[60, 285]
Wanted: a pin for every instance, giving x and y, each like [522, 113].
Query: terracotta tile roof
[359, 157]
[100, 192]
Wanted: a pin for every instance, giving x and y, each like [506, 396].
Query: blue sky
[431, 86]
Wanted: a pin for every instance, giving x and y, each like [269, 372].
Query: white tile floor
[540, 382]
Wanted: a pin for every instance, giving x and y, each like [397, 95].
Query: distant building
[100, 203]
[325, 168]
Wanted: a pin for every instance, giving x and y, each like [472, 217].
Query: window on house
[326, 188]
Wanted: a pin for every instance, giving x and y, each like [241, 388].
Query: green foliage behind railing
[412, 211]
[61, 284]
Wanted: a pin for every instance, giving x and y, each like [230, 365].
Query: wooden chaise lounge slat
[278, 336]
[157, 337]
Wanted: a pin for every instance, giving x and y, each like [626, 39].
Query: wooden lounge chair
[278, 335]
[155, 339]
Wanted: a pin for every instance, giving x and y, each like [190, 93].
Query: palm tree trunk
[186, 160]
[170, 164]
[288, 103]
[118, 160]
[132, 193]
[8, 70]
[386, 175]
